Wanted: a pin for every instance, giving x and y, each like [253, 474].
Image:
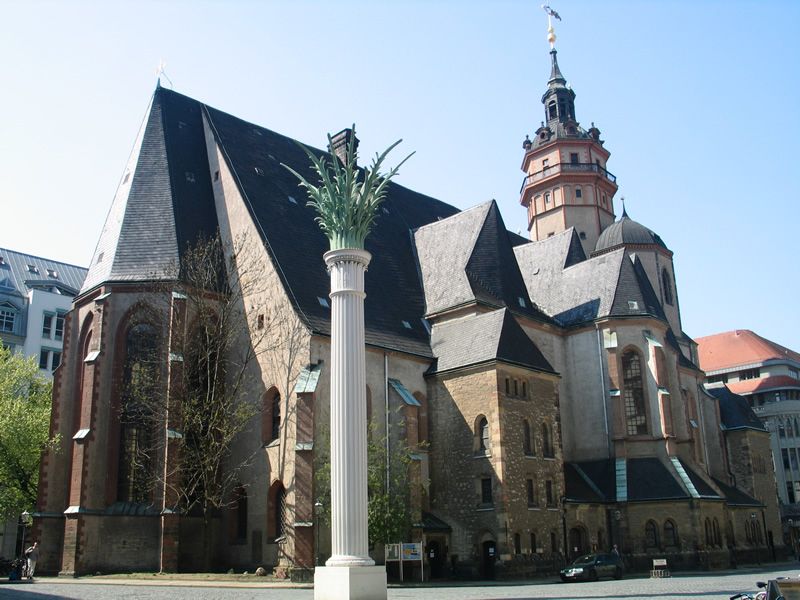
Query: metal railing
[570, 167]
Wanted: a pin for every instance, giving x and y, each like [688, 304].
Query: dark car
[592, 567]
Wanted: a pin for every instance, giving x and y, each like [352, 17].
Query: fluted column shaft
[349, 539]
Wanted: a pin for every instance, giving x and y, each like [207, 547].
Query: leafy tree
[25, 399]
[389, 510]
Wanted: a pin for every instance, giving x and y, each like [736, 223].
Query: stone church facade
[551, 399]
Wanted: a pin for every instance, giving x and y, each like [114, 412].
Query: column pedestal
[350, 583]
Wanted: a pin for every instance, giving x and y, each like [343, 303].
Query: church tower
[566, 182]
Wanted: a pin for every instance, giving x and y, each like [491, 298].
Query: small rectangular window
[44, 355]
[573, 158]
[7, 318]
[531, 492]
[486, 490]
[56, 360]
[260, 320]
[47, 326]
[578, 193]
[545, 163]
[547, 197]
[59, 327]
[548, 491]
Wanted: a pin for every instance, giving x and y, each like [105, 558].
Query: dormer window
[52, 273]
[33, 269]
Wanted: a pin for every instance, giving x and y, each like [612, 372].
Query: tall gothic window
[547, 441]
[651, 534]
[670, 533]
[633, 394]
[527, 439]
[140, 385]
[666, 283]
[483, 441]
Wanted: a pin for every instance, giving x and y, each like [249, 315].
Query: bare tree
[193, 428]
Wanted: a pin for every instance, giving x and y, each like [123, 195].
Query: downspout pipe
[603, 387]
[386, 411]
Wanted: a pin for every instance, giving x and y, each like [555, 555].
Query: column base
[350, 583]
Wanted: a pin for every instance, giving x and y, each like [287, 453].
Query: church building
[551, 400]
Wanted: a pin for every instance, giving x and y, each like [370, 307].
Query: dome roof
[627, 231]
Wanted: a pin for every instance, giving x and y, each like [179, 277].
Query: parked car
[592, 567]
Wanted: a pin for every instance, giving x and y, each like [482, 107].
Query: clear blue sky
[697, 102]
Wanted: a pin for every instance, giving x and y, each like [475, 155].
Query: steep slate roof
[16, 278]
[296, 244]
[483, 338]
[739, 348]
[734, 410]
[165, 201]
[735, 496]
[470, 258]
[578, 292]
[590, 481]
[649, 479]
[627, 232]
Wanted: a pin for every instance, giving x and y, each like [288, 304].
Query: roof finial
[160, 71]
[551, 34]
[624, 211]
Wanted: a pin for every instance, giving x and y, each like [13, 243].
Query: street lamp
[25, 518]
[317, 513]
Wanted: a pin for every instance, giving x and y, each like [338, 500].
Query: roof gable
[483, 338]
[165, 201]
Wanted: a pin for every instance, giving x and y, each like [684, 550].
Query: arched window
[670, 533]
[270, 416]
[276, 522]
[651, 535]
[140, 390]
[748, 535]
[533, 542]
[527, 439]
[717, 534]
[517, 544]
[666, 283]
[547, 441]
[275, 417]
[552, 112]
[709, 533]
[482, 438]
[633, 394]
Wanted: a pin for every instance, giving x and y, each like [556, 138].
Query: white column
[349, 573]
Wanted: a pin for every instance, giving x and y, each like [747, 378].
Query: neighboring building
[35, 296]
[768, 376]
[559, 400]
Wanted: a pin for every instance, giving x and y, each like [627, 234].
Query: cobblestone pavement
[704, 586]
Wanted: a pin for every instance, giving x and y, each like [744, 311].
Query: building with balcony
[767, 375]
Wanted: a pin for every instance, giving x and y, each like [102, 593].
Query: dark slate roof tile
[296, 244]
[170, 202]
[580, 487]
[735, 411]
[649, 479]
[486, 337]
[736, 497]
[701, 485]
